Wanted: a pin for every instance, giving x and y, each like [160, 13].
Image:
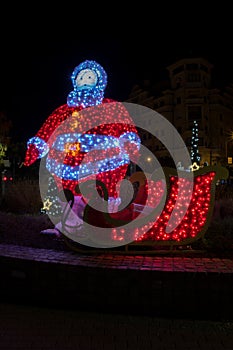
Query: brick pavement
[122, 261]
[153, 285]
[63, 300]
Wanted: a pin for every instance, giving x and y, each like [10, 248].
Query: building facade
[5, 126]
[189, 96]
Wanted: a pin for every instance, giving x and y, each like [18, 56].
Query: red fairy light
[195, 217]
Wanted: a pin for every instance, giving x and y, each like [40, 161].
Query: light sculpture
[93, 138]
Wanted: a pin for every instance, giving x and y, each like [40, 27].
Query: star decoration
[47, 204]
[72, 148]
[194, 167]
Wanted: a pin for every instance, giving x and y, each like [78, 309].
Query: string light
[195, 157]
[75, 150]
[193, 220]
[89, 80]
[51, 203]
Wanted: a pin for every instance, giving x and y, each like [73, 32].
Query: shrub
[223, 208]
[22, 197]
[219, 236]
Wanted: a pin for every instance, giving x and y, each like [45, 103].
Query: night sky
[35, 73]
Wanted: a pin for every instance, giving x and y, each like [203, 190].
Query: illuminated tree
[195, 157]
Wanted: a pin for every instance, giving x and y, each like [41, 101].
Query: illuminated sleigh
[175, 212]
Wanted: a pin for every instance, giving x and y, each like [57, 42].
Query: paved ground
[120, 261]
[31, 327]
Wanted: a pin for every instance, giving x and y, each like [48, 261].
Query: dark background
[36, 64]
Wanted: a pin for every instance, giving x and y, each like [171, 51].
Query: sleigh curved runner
[148, 216]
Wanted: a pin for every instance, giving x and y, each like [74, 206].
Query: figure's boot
[72, 217]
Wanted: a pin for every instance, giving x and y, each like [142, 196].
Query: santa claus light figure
[89, 137]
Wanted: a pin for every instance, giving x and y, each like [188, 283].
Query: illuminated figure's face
[86, 79]
[89, 81]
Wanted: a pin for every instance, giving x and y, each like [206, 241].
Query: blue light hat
[87, 65]
[89, 80]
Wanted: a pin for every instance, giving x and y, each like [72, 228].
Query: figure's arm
[37, 146]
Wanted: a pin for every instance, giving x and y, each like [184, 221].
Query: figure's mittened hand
[32, 155]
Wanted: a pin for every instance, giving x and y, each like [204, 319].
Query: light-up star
[47, 204]
[194, 167]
